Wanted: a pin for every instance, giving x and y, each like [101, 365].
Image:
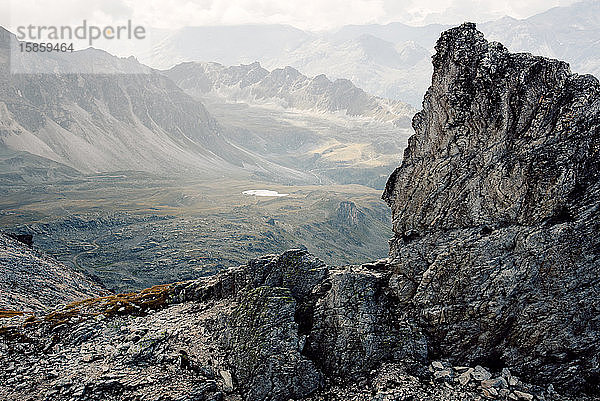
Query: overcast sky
[305, 14]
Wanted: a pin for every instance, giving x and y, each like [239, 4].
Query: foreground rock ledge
[281, 327]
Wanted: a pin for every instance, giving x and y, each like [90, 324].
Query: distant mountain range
[132, 118]
[288, 89]
[393, 60]
[317, 102]
[92, 112]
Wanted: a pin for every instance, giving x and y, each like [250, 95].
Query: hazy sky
[305, 14]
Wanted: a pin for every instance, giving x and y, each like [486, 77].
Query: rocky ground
[31, 281]
[281, 327]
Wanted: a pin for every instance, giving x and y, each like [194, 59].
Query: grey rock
[354, 319]
[444, 374]
[495, 213]
[523, 396]
[31, 281]
[480, 373]
[262, 347]
[226, 375]
[498, 383]
[465, 377]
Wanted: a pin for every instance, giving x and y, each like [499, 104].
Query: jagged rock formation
[33, 282]
[288, 88]
[495, 213]
[281, 327]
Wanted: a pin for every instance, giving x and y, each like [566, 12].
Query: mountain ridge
[117, 120]
[286, 86]
[339, 53]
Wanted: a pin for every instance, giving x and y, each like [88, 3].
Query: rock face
[281, 327]
[495, 213]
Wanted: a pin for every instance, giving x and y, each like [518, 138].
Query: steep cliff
[495, 213]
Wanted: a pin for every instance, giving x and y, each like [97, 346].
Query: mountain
[396, 70]
[128, 117]
[569, 33]
[391, 60]
[331, 129]
[286, 87]
[489, 291]
[35, 282]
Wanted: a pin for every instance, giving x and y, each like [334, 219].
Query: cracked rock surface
[496, 213]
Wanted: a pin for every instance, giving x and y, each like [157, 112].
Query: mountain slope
[33, 282]
[379, 67]
[331, 129]
[494, 263]
[132, 118]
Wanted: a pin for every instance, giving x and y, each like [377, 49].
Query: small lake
[263, 192]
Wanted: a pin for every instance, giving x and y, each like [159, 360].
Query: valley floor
[132, 231]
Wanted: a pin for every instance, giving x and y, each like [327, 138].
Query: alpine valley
[265, 215]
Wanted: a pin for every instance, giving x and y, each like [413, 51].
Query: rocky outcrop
[277, 328]
[281, 327]
[495, 213]
[348, 214]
